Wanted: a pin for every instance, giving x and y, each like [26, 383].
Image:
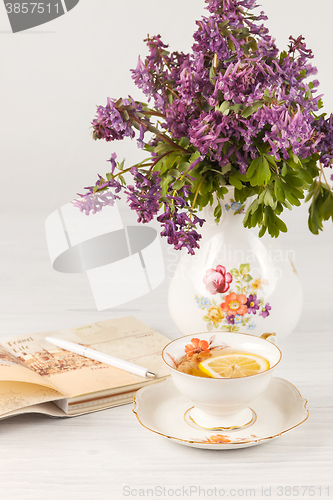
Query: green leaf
[247, 219]
[292, 199]
[297, 192]
[212, 75]
[262, 231]
[293, 180]
[221, 191]
[178, 184]
[184, 166]
[256, 217]
[292, 164]
[235, 182]
[284, 169]
[305, 176]
[283, 55]
[122, 180]
[225, 328]
[194, 157]
[121, 165]
[254, 165]
[218, 212]
[226, 168]
[314, 222]
[253, 44]
[326, 207]
[175, 173]
[259, 172]
[269, 200]
[254, 206]
[280, 224]
[249, 110]
[271, 160]
[278, 190]
[247, 278]
[224, 106]
[231, 45]
[184, 142]
[244, 269]
[273, 230]
[234, 272]
[165, 181]
[279, 208]
[236, 108]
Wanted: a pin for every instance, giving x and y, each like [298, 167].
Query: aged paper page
[73, 375]
[16, 395]
[13, 369]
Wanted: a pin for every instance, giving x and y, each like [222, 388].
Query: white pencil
[100, 356]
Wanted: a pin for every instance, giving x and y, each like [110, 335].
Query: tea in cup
[221, 374]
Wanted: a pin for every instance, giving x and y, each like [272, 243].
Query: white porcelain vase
[236, 281]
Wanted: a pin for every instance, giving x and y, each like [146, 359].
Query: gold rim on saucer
[229, 443]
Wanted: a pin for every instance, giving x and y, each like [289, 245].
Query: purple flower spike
[144, 196]
[94, 202]
[110, 124]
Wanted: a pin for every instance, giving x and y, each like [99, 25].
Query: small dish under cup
[160, 408]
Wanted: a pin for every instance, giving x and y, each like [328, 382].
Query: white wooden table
[108, 455]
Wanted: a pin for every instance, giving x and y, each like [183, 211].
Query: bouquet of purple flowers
[235, 111]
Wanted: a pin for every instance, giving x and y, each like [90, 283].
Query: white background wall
[53, 76]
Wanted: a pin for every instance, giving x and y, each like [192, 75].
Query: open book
[37, 377]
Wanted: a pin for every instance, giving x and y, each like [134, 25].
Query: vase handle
[269, 336]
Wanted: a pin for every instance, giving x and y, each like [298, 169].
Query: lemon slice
[234, 365]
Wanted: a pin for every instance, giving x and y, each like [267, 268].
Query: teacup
[223, 403]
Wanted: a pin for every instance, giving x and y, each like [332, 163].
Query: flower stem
[153, 113]
[128, 169]
[160, 158]
[323, 174]
[155, 131]
[198, 189]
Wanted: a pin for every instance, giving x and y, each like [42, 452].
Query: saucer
[161, 409]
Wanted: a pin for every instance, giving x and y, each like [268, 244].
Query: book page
[49, 409]
[16, 395]
[12, 368]
[74, 375]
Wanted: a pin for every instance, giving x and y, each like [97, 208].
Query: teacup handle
[269, 336]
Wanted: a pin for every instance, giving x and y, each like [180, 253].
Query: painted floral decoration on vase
[239, 298]
[235, 206]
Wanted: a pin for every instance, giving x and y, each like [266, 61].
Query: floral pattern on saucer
[239, 299]
[222, 438]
